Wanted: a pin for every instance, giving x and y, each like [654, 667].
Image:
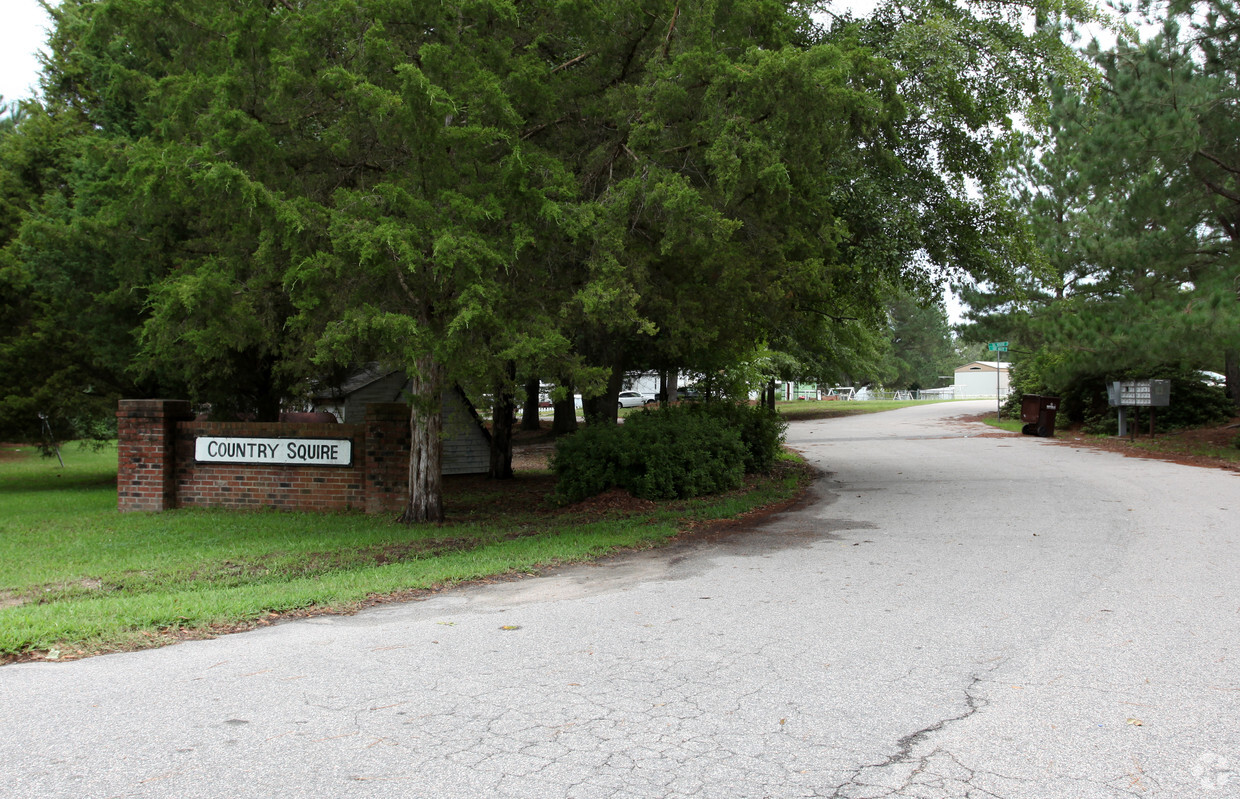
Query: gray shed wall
[466, 448]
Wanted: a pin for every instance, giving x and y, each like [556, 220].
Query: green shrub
[1083, 395]
[676, 453]
[587, 462]
[679, 451]
[761, 429]
[1193, 403]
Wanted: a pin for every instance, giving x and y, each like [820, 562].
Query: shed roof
[984, 366]
[355, 382]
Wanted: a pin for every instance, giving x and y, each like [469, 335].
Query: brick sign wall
[158, 469]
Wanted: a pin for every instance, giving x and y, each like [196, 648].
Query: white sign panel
[272, 451]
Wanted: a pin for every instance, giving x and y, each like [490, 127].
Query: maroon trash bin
[1038, 414]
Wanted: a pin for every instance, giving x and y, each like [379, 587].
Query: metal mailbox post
[1138, 394]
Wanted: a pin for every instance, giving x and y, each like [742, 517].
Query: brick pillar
[147, 453]
[387, 456]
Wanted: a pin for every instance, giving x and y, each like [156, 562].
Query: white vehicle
[632, 399]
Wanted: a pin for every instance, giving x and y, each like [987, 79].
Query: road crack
[864, 776]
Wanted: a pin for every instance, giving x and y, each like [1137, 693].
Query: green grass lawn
[1006, 423]
[827, 409]
[77, 577]
[1170, 445]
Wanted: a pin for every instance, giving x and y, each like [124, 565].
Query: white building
[980, 379]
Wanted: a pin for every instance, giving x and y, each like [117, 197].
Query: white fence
[947, 393]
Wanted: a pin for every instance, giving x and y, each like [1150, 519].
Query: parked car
[688, 393]
[632, 399]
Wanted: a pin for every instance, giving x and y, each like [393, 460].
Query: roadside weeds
[1205, 447]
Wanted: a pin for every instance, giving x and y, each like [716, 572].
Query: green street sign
[998, 346]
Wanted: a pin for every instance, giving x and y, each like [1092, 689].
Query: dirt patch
[614, 500]
[1186, 447]
[10, 600]
[532, 457]
[12, 452]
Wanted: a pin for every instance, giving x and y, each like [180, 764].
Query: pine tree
[922, 343]
[1131, 197]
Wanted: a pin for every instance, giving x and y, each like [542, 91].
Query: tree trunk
[565, 419]
[529, 413]
[502, 421]
[604, 408]
[1231, 373]
[673, 377]
[267, 408]
[264, 390]
[426, 444]
[768, 395]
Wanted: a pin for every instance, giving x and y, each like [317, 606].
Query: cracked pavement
[953, 615]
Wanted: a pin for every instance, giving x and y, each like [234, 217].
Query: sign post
[997, 347]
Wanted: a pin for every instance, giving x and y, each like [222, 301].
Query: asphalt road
[954, 615]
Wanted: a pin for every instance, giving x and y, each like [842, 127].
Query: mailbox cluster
[1138, 394]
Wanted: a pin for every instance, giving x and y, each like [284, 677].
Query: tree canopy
[234, 199]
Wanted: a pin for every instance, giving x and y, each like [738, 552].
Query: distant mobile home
[977, 379]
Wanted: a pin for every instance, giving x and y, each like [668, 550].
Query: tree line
[1131, 196]
[233, 201]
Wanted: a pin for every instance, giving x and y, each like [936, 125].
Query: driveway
[955, 614]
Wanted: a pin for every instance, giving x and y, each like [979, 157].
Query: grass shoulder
[1216, 446]
[830, 409]
[1005, 423]
[79, 578]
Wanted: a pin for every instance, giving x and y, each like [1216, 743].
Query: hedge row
[673, 452]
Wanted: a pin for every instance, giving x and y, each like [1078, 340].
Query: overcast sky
[22, 33]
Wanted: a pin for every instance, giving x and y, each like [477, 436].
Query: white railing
[927, 395]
